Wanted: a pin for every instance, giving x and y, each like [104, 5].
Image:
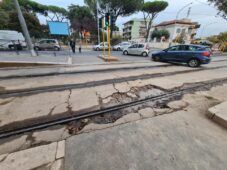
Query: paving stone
[60, 149]
[30, 158]
[219, 113]
[58, 165]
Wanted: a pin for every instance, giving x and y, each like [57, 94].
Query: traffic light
[101, 22]
[107, 20]
[112, 22]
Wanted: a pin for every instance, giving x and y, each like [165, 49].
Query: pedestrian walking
[72, 44]
[80, 48]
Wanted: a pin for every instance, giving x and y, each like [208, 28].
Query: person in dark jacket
[72, 44]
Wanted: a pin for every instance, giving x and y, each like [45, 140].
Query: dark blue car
[193, 55]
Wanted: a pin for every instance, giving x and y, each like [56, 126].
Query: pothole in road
[138, 93]
[134, 94]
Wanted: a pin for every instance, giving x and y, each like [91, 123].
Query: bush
[160, 33]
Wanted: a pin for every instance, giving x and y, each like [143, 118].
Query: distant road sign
[59, 28]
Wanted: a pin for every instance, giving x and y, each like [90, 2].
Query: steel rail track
[43, 125]
[37, 90]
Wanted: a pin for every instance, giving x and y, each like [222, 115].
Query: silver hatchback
[137, 49]
[47, 44]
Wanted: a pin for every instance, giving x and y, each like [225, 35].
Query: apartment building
[134, 30]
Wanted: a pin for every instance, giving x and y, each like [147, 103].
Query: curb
[218, 114]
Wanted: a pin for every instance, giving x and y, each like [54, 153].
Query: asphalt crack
[69, 106]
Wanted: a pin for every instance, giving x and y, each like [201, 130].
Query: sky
[201, 12]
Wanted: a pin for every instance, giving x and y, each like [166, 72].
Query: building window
[178, 30]
[189, 31]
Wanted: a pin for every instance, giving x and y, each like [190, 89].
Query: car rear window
[204, 49]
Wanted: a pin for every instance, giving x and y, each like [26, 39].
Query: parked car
[203, 42]
[121, 46]
[193, 55]
[137, 49]
[47, 44]
[101, 46]
[12, 40]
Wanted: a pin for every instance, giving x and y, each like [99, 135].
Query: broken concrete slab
[83, 99]
[28, 107]
[218, 113]
[219, 93]
[105, 91]
[13, 144]
[50, 135]
[180, 104]
[30, 158]
[147, 112]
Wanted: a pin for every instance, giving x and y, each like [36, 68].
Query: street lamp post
[97, 11]
[177, 16]
[24, 28]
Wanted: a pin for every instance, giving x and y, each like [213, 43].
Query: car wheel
[97, 49]
[56, 49]
[36, 48]
[125, 52]
[118, 49]
[11, 47]
[156, 58]
[144, 54]
[193, 63]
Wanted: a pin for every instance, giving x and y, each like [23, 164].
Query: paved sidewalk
[185, 139]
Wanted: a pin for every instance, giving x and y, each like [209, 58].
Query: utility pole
[189, 12]
[24, 28]
[97, 11]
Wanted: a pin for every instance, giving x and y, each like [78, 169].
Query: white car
[10, 39]
[101, 46]
[121, 46]
[137, 49]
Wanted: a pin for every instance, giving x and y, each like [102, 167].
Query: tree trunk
[148, 30]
